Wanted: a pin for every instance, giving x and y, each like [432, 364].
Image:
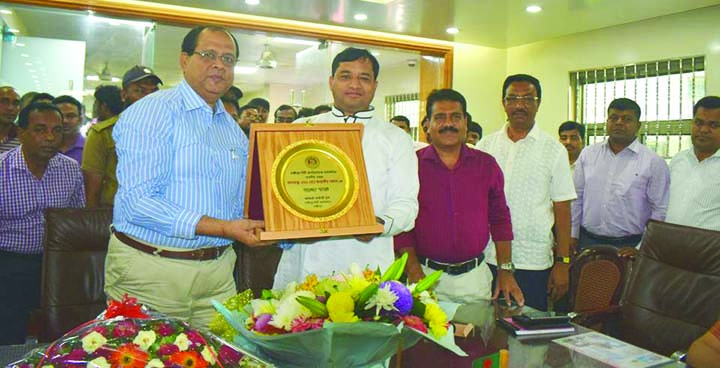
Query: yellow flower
[437, 319]
[100, 362]
[208, 354]
[145, 339]
[93, 341]
[182, 342]
[311, 281]
[341, 307]
[155, 363]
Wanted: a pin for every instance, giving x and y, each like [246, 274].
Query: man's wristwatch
[559, 259]
[508, 266]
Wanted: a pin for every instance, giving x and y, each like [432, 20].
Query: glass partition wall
[61, 47]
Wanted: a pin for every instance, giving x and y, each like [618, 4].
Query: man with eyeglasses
[621, 184]
[453, 227]
[695, 172]
[181, 172]
[539, 188]
[285, 114]
[391, 167]
[9, 108]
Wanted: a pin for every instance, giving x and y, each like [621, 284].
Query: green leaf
[427, 282]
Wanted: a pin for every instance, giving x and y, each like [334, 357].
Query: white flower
[182, 342]
[208, 354]
[383, 299]
[288, 309]
[93, 341]
[155, 363]
[145, 339]
[100, 362]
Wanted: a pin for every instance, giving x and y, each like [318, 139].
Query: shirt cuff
[388, 223]
[186, 224]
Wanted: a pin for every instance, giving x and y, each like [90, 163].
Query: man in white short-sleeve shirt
[538, 188]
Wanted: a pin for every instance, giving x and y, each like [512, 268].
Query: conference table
[488, 338]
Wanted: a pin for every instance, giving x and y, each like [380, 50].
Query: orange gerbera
[188, 359]
[129, 356]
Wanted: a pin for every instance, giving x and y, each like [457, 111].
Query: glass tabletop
[488, 338]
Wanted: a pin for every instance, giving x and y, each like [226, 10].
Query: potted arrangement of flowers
[355, 318]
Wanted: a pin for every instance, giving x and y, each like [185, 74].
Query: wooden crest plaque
[308, 181]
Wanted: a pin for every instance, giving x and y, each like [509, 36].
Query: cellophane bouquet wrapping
[351, 319]
[129, 335]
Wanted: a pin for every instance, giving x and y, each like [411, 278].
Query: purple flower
[104, 352]
[229, 356]
[195, 338]
[165, 329]
[77, 354]
[262, 322]
[404, 302]
[167, 349]
[101, 330]
[125, 329]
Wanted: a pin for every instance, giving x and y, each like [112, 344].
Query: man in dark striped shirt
[9, 107]
[33, 177]
[462, 202]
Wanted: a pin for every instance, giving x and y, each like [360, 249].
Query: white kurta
[393, 177]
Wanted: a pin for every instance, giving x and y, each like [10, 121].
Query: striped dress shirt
[177, 161]
[24, 198]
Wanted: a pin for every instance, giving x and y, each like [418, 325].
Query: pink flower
[195, 338]
[301, 324]
[165, 329]
[262, 322]
[77, 355]
[414, 322]
[167, 349]
[229, 356]
[101, 330]
[125, 329]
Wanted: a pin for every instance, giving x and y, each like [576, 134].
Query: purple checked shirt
[24, 198]
[618, 193]
[459, 208]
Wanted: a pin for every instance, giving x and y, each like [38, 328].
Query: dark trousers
[533, 285]
[20, 293]
[588, 239]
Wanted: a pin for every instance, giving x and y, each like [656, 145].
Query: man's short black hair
[234, 92]
[707, 102]
[625, 104]
[305, 112]
[445, 94]
[42, 96]
[191, 39]
[285, 108]
[69, 100]
[232, 101]
[522, 78]
[24, 116]
[352, 54]
[572, 125]
[319, 109]
[402, 118]
[110, 96]
[260, 102]
[475, 127]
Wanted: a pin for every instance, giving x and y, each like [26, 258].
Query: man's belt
[204, 254]
[453, 268]
[611, 239]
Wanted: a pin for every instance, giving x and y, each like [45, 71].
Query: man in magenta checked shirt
[462, 202]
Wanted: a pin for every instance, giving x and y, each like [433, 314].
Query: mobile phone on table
[540, 320]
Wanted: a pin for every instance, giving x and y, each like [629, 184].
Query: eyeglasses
[441, 118]
[625, 119]
[211, 56]
[710, 124]
[525, 100]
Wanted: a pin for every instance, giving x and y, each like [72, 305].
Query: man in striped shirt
[33, 177]
[9, 107]
[181, 174]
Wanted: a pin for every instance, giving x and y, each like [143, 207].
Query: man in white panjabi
[392, 174]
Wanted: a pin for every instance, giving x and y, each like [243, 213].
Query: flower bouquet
[349, 319]
[128, 335]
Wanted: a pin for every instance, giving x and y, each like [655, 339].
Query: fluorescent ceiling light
[533, 9]
[117, 22]
[252, 2]
[452, 30]
[24, 55]
[384, 2]
[115, 79]
[93, 77]
[13, 30]
[19, 44]
[5, 11]
[295, 41]
[28, 64]
[245, 69]
[360, 16]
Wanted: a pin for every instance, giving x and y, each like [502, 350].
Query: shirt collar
[191, 99]
[360, 115]
[634, 147]
[17, 160]
[533, 134]
[429, 153]
[79, 143]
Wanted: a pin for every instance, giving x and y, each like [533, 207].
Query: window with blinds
[406, 104]
[666, 91]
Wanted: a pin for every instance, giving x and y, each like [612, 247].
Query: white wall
[686, 34]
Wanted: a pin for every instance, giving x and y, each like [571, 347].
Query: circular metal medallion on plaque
[315, 180]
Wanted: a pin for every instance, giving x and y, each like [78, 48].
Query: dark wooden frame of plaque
[266, 143]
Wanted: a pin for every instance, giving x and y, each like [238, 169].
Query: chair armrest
[590, 318]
